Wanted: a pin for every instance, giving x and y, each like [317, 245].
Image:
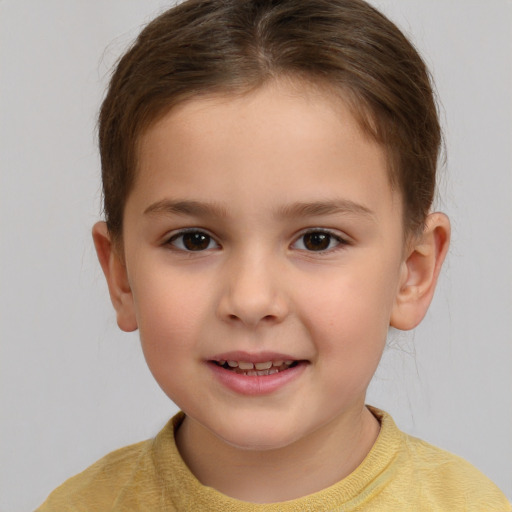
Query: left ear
[420, 270]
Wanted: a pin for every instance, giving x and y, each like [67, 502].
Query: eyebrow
[297, 209]
[194, 208]
[328, 207]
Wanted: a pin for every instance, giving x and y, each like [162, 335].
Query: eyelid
[175, 234]
[342, 239]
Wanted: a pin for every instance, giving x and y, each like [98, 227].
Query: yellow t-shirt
[401, 473]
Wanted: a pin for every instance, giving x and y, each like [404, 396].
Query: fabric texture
[400, 473]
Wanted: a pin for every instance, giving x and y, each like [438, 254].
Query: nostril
[252, 321]
[251, 308]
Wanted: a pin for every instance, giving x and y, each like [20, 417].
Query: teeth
[262, 372]
[263, 366]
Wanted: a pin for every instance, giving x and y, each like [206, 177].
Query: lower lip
[256, 385]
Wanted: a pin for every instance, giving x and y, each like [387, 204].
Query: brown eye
[193, 241]
[316, 241]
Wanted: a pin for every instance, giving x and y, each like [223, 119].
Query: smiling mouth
[256, 369]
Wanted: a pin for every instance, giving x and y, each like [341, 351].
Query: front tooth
[263, 366]
[233, 364]
[244, 365]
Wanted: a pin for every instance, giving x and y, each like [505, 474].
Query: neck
[309, 465]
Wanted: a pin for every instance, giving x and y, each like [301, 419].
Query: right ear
[114, 268]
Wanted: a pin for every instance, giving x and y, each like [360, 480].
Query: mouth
[259, 374]
[256, 369]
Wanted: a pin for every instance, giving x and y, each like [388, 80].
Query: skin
[240, 170]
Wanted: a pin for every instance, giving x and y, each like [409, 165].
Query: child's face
[263, 228]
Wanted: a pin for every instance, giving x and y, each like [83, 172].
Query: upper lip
[257, 357]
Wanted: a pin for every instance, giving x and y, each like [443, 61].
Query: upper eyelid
[173, 235]
[342, 241]
[333, 232]
[183, 231]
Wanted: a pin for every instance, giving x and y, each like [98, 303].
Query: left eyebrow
[330, 207]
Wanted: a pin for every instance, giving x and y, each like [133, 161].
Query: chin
[253, 436]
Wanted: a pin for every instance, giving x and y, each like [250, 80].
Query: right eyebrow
[183, 207]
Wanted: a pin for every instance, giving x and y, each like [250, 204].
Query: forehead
[280, 140]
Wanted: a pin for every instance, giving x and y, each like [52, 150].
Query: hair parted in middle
[207, 47]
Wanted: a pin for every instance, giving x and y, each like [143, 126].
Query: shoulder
[423, 477]
[98, 487]
[449, 482]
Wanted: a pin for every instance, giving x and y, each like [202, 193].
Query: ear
[114, 268]
[420, 270]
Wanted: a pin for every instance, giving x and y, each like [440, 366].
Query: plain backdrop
[73, 387]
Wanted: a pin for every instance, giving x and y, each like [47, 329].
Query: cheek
[350, 318]
[170, 314]
[166, 300]
[349, 342]
[168, 335]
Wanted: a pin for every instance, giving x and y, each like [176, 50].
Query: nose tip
[254, 296]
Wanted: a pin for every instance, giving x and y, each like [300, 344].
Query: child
[268, 172]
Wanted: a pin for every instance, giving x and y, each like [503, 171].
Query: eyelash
[208, 240]
[181, 234]
[331, 236]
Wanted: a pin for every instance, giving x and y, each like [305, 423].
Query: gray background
[73, 387]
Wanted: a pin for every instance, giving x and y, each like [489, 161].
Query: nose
[253, 292]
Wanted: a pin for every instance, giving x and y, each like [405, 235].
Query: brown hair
[213, 46]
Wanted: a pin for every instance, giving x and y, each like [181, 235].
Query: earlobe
[116, 275]
[420, 271]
